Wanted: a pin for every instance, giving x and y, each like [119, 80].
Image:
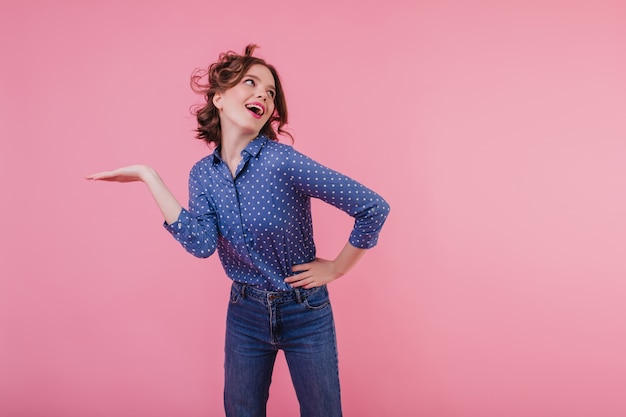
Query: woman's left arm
[368, 209]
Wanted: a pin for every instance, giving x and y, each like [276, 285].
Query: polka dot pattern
[260, 220]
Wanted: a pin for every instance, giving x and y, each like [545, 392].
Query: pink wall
[496, 130]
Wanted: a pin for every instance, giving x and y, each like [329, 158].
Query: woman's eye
[271, 93]
[249, 81]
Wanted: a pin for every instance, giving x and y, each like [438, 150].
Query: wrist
[148, 174]
[338, 270]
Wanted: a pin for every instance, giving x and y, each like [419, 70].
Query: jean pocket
[317, 299]
[235, 293]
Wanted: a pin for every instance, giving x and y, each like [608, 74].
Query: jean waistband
[297, 294]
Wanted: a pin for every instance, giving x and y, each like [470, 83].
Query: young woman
[250, 200]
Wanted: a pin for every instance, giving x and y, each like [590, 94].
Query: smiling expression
[248, 105]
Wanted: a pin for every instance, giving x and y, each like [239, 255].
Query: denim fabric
[300, 322]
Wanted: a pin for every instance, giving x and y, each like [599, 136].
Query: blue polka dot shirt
[260, 220]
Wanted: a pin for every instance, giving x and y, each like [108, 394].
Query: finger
[298, 277]
[301, 267]
[300, 283]
[99, 175]
[311, 284]
[293, 278]
[305, 273]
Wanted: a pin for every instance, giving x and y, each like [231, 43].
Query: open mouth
[256, 108]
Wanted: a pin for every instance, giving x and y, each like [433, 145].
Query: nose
[262, 94]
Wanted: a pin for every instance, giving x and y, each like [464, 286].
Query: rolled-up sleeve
[368, 209]
[196, 229]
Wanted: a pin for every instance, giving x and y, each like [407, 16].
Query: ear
[217, 100]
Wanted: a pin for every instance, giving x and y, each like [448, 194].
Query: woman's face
[247, 106]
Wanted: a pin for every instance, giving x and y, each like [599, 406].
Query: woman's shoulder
[278, 147]
[281, 150]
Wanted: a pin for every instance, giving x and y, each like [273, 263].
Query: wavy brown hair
[222, 75]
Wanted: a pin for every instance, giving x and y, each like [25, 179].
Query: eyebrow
[258, 79]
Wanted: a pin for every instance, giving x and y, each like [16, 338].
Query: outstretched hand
[125, 174]
[169, 206]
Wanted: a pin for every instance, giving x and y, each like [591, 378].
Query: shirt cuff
[363, 242]
[183, 220]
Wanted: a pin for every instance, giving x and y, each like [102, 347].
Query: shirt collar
[253, 148]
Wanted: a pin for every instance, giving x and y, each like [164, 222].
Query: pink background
[496, 130]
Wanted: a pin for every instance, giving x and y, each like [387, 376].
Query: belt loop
[243, 290]
[298, 296]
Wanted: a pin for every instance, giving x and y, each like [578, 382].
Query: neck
[231, 147]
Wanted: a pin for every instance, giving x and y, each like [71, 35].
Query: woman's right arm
[196, 229]
[169, 206]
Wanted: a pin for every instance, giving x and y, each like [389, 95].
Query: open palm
[130, 173]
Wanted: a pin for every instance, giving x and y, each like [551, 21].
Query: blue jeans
[300, 322]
